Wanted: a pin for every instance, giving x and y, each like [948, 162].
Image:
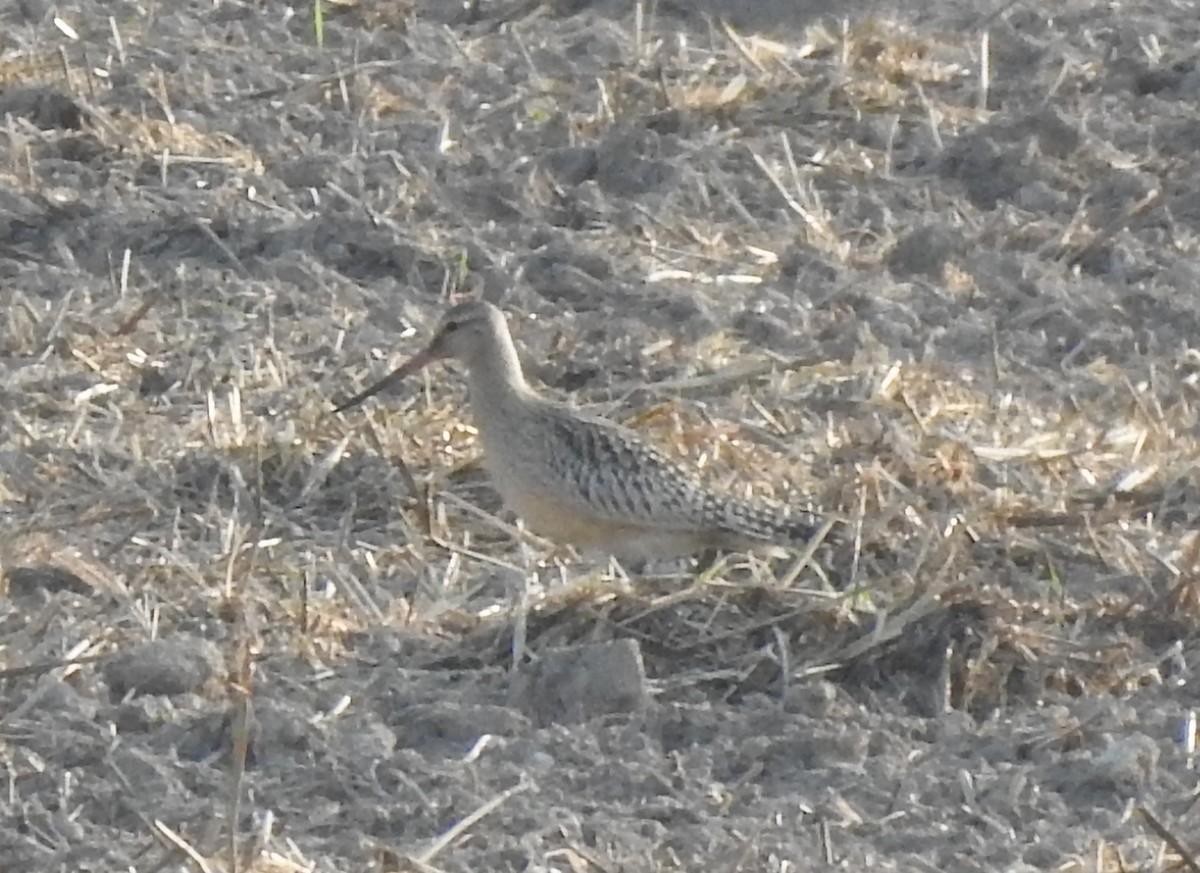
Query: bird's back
[582, 479]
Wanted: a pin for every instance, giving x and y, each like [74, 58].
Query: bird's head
[473, 332]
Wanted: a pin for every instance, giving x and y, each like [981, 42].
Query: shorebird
[580, 479]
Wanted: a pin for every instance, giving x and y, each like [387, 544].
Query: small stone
[571, 165]
[580, 683]
[169, 667]
[923, 251]
[23, 581]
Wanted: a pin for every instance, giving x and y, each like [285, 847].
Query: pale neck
[496, 379]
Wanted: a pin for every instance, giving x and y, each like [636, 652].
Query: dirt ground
[931, 272]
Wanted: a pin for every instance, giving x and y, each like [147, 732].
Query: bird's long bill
[412, 365]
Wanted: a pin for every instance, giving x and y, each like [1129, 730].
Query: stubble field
[931, 272]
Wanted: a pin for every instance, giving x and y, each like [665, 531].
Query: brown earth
[932, 271]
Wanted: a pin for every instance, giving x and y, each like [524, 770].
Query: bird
[581, 479]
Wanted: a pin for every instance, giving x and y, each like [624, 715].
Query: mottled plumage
[580, 479]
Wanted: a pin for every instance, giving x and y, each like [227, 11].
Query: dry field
[932, 272]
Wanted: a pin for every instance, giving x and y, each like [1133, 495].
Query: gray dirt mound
[928, 271]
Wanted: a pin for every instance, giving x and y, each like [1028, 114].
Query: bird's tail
[762, 524]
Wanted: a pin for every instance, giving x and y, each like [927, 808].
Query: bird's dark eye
[451, 326]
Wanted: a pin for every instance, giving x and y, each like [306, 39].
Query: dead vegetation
[884, 271]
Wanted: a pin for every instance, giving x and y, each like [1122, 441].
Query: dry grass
[1018, 522]
[1092, 471]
